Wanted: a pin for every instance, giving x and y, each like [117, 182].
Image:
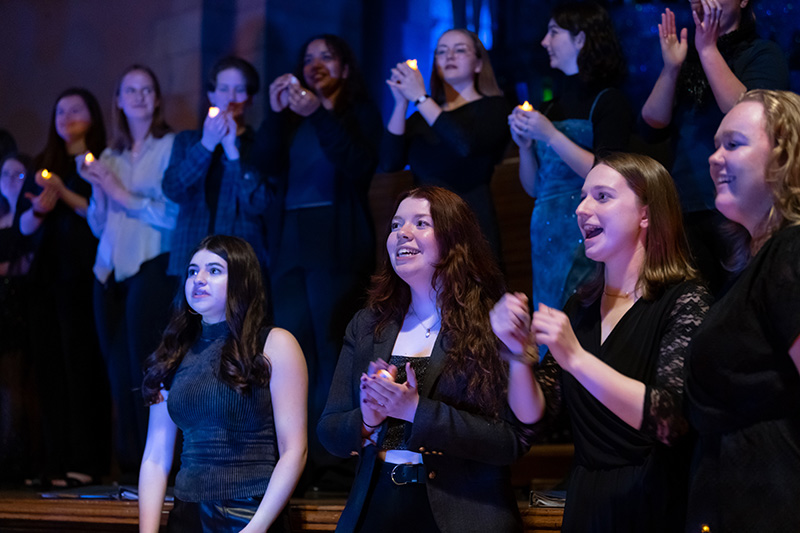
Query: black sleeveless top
[229, 443]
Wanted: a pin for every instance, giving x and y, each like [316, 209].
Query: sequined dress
[558, 261]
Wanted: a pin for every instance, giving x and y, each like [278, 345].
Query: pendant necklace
[427, 329]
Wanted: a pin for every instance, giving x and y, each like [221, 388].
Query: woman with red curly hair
[419, 391]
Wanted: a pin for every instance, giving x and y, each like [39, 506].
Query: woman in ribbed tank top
[237, 388]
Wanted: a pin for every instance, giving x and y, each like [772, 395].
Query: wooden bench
[27, 512]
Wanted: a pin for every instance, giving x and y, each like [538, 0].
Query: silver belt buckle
[394, 480]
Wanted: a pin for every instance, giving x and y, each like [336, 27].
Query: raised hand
[673, 48]
[552, 327]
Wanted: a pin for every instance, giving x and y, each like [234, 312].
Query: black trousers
[219, 516]
[130, 317]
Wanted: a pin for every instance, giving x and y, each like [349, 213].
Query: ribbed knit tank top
[229, 445]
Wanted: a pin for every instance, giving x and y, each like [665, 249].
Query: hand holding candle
[88, 159]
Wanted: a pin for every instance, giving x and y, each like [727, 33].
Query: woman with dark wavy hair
[616, 353]
[558, 145]
[320, 143]
[742, 379]
[419, 390]
[69, 366]
[236, 386]
[458, 133]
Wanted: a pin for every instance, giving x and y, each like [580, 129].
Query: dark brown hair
[600, 61]
[242, 364]
[353, 88]
[55, 156]
[468, 283]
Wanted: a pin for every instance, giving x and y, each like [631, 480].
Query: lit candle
[412, 63]
[213, 111]
[88, 158]
[45, 174]
[526, 106]
[383, 373]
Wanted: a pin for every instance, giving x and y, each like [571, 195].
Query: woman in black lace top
[419, 390]
[616, 353]
[742, 382]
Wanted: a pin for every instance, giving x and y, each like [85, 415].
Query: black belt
[403, 474]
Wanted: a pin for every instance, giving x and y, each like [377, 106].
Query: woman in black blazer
[418, 392]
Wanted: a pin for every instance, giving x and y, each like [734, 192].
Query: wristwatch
[421, 99]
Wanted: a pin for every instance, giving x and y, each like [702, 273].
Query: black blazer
[466, 455]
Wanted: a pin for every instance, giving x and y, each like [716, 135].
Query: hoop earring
[193, 312]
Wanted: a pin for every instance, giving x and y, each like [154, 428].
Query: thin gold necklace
[617, 295]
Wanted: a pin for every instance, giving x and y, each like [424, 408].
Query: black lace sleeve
[548, 375]
[663, 416]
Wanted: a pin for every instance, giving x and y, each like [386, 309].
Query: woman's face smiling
[563, 48]
[322, 69]
[738, 166]
[611, 217]
[137, 96]
[412, 246]
[206, 286]
[72, 118]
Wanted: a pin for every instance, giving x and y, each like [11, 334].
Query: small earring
[192, 311]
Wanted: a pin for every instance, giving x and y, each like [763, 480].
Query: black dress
[457, 152]
[626, 479]
[743, 392]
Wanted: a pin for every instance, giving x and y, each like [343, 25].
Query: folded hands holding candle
[406, 82]
[530, 125]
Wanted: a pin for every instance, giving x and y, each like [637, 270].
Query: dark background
[48, 45]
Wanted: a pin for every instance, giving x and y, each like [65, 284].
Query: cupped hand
[302, 101]
[511, 322]
[406, 82]
[398, 400]
[214, 129]
[370, 406]
[552, 327]
[279, 92]
[44, 202]
[519, 132]
[673, 48]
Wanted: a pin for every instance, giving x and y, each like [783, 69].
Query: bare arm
[156, 464]
[657, 110]
[724, 84]
[289, 392]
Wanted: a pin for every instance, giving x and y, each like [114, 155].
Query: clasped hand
[220, 129]
[514, 326]
[286, 92]
[382, 397]
[527, 126]
[406, 84]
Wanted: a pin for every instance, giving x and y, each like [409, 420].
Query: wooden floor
[27, 512]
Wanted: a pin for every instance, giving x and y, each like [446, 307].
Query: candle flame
[383, 373]
[88, 158]
[46, 174]
[526, 106]
[412, 63]
[213, 111]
